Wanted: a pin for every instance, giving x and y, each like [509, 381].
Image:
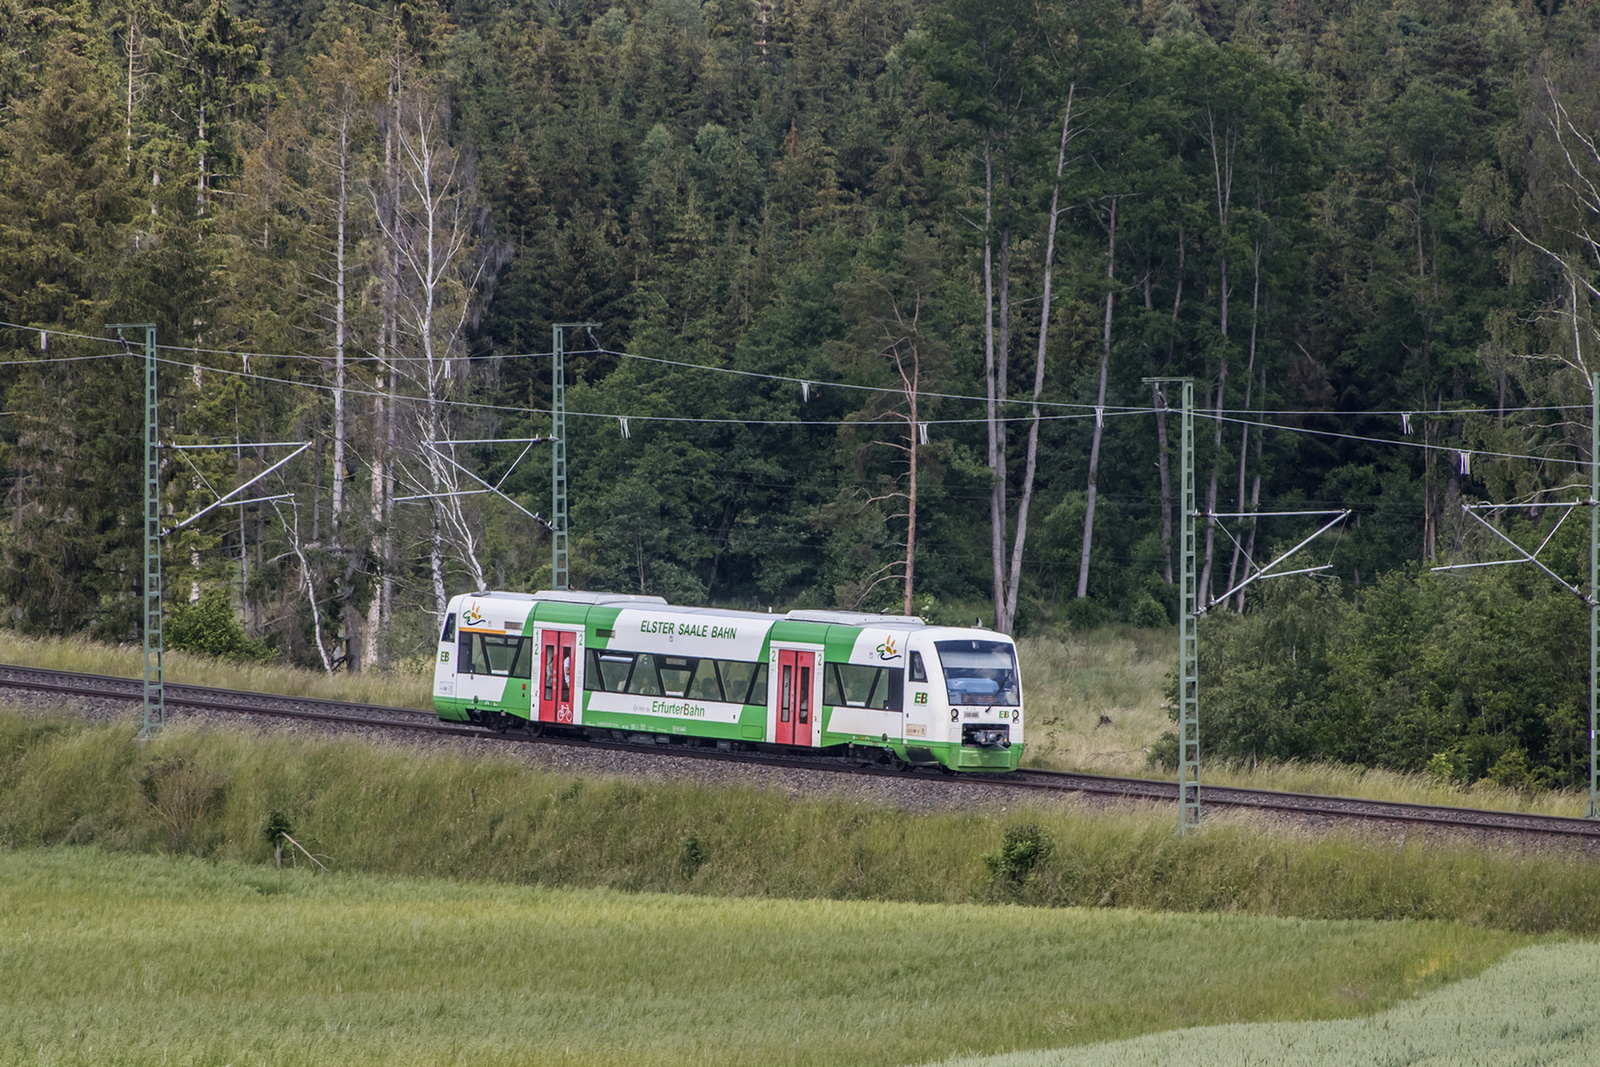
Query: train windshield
[980, 672]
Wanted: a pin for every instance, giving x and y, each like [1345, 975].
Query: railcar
[606, 664]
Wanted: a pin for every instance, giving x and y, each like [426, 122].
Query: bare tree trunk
[1244, 431]
[1164, 460]
[133, 49]
[339, 312]
[1014, 585]
[1099, 406]
[1255, 498]
[307, 586]
[912, 441]
[1222, 147]
[997, 515]
[200, 188]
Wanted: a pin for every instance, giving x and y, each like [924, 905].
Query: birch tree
[433, 228]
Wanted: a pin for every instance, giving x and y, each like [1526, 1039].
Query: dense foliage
[1421, 672]
[355, 224]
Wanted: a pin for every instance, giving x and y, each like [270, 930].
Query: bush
[1026, 847]
[1465, 678]
[1163, 754]
[209, 627]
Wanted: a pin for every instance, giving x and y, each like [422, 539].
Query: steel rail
[346, 713]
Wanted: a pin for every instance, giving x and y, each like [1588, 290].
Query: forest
[864, 295]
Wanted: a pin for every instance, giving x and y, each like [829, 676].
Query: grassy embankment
[122, 960]
[408, 686]
[388, 809]
[1115, 672]
[1531, 1008]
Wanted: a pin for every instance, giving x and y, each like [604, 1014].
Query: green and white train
[614, 665]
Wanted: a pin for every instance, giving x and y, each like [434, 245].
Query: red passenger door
[795, 671]
[557, 662]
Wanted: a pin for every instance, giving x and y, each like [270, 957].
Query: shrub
[209, 627]
[1466, 678]
[1027, 846]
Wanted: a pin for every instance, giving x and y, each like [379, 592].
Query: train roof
[824, 617]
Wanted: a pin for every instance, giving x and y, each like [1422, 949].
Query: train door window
[736, 679]
[548, 672]
[805, 694]
[449, 633]
[566, 674]
[784, 691]
[919, 673]
[705, 685]
[644, 681]
[676, 672]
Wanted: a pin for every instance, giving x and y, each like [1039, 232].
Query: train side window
[705, 685]
[591, 677]
[736, 679]
[644, 681]
[676, 673]
[855, 684]
[449, 633]
[501, 653]
[758, 686]
[919, 673]
[464, 649]
[613, 671]
[832, 692]
[888, 689]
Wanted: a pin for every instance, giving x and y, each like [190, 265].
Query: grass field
[1536, 1007]
[387, 808]
[121, 960]
[1116, 673]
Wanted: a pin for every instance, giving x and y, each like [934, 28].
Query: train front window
[980, 672]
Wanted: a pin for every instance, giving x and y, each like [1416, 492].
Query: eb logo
[920, 698]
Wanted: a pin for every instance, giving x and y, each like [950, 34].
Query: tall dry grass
[407, 685]
[391, 809]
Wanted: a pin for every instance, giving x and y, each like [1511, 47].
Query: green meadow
[1539, 1006]
[113, 959]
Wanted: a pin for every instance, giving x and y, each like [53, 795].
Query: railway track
[1306, 806]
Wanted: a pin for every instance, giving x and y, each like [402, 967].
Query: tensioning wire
[1106, 408]
[1400, 443]
[893, 421]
